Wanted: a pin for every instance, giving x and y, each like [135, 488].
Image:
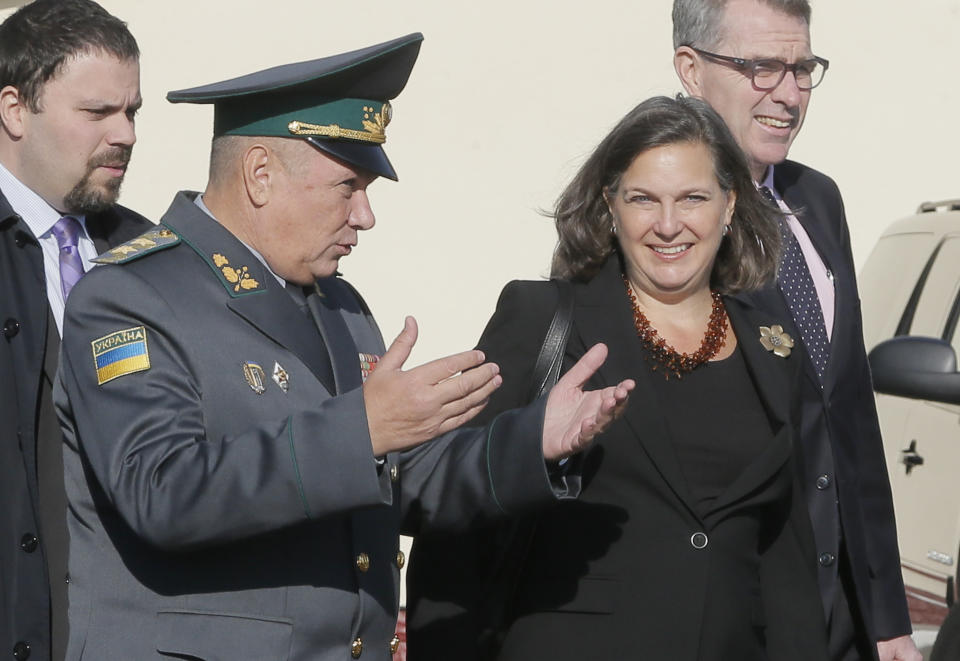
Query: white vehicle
[910, 299]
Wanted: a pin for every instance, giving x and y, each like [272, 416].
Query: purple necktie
[67, 232]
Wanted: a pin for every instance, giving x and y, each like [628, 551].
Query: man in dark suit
[69, 88]
[752, 61]
[240, 459]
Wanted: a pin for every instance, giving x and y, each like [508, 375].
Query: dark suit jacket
[615, 575]
[30, 440]
[840, 433]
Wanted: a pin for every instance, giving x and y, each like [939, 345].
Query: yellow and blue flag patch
[120, 353]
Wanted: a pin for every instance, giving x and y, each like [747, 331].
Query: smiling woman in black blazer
[687, 542]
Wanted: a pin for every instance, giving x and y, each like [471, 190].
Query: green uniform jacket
[224, 502]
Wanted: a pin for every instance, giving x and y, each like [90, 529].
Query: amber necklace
[665, 356]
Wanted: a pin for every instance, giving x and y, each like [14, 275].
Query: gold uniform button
[356, 648]
[401, 559]
[363, 563]
[394, 473]
[394, 644]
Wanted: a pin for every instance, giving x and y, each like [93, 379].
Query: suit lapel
[114, 226]
[265, 305]
[100, 243]
[603, 314]
[767, 370]
[809, 217]
[277, 317]
[100, 228]
[343, 352]
[771, 376]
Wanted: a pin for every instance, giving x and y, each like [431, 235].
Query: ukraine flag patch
[120, 353]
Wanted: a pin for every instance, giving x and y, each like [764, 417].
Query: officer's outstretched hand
[406, 408]
[575, 416]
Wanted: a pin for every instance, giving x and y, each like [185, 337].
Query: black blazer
[33, 525]
[615, 574]
[840, 433]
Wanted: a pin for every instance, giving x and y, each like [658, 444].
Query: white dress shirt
[40, 218]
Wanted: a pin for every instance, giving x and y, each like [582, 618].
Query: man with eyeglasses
[752, 61]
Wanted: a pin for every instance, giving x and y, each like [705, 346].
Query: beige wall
[506, 100]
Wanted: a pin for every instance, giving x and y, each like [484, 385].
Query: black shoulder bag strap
[514, 538]
[546, 371]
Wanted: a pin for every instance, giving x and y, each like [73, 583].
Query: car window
[888, 279]
[940, 291]
[950, 333]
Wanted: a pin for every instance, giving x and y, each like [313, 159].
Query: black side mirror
[916, 367]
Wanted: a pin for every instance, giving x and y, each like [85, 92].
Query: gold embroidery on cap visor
[374, 122]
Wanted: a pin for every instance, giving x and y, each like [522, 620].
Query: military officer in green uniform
[241, 452]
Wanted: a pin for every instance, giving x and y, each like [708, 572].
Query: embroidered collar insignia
[237, 279]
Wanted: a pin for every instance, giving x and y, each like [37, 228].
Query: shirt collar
[198, 200]
[768, 182]
[39, 216]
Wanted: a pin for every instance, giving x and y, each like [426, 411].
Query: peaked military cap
[340, 104]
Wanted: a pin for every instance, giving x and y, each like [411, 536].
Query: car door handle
[910, 457]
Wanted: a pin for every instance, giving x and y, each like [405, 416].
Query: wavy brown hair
[749, 254]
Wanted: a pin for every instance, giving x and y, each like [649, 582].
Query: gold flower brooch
[774, 339]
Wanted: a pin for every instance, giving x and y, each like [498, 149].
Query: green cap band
[364, 120]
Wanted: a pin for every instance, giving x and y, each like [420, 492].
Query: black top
[621, 572]
[716, 423]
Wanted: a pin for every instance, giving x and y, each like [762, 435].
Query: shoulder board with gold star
[152, 240]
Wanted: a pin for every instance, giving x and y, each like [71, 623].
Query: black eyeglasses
[766, 74]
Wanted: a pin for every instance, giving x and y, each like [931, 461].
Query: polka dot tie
[67, 233]
[796, 285]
